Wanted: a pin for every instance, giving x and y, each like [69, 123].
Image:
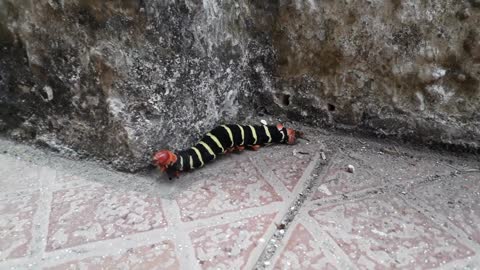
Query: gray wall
[120, 79]
[397, 67]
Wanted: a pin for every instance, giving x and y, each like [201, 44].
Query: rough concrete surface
[139, 75]
[406, 68]
[282, 207]
[136, 76]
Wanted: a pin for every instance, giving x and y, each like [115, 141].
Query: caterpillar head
[164, 159]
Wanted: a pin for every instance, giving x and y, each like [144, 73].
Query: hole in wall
[285, 99]
[331, 107]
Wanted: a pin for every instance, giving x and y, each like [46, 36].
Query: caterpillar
[221, 140]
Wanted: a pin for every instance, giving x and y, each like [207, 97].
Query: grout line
[42, 216]
[232, 216]
[329, 246]
[439, 219]
[271, 178]
[308, 181]
[182, 242]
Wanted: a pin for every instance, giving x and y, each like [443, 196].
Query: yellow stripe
[219, 144]
[268, 134]
[191, 162]
[199, 155]
[254, 134]
[210, 151]
[229, 133]
[242, 133]
[283, 135]
[181, 163]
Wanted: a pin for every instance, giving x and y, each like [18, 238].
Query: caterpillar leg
[172, 175]
[236, 149]
[255, 147]
[239, 148]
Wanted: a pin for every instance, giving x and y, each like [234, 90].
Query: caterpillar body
[223, 139]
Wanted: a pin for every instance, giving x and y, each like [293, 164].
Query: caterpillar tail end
[291, 134]
[164, 159]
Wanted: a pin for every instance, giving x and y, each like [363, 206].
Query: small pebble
[350, 169]
[263, 122]
[322, 154]
[267, 263]
[461, 77]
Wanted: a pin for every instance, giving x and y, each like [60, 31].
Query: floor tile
[288, 165]
[91, 213]
[240, 187]
[458, 201]
[374, 169]
[17, 174]
[16, 225]
[387, 233]
[229, 246]
[160, 256]
[302, 251]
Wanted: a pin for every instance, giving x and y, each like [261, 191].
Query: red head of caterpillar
[164, 158]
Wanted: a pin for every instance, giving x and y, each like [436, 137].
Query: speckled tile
[240, 187]
[387, 233]
[229, 246]
[289, 164]
[17, 174]
[458, 201]
[91, 213]
[16, 225]
[374, 169]
[302, 251]
[63, 177]
[156, 256]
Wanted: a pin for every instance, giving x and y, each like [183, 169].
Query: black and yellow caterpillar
[221, 140]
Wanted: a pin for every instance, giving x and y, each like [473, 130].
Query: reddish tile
[156, 256]
[288, 167]
[381, 233]
[16, 224]
[303, 252]
[373, 169]
[241, 186]
[229, 246]
[92, 213]
[458, 200]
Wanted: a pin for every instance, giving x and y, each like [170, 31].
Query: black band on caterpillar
[222, 139]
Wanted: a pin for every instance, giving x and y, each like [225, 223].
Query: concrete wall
[119, 79]
[408, 68]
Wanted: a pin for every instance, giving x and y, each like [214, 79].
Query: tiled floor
[402, 208]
